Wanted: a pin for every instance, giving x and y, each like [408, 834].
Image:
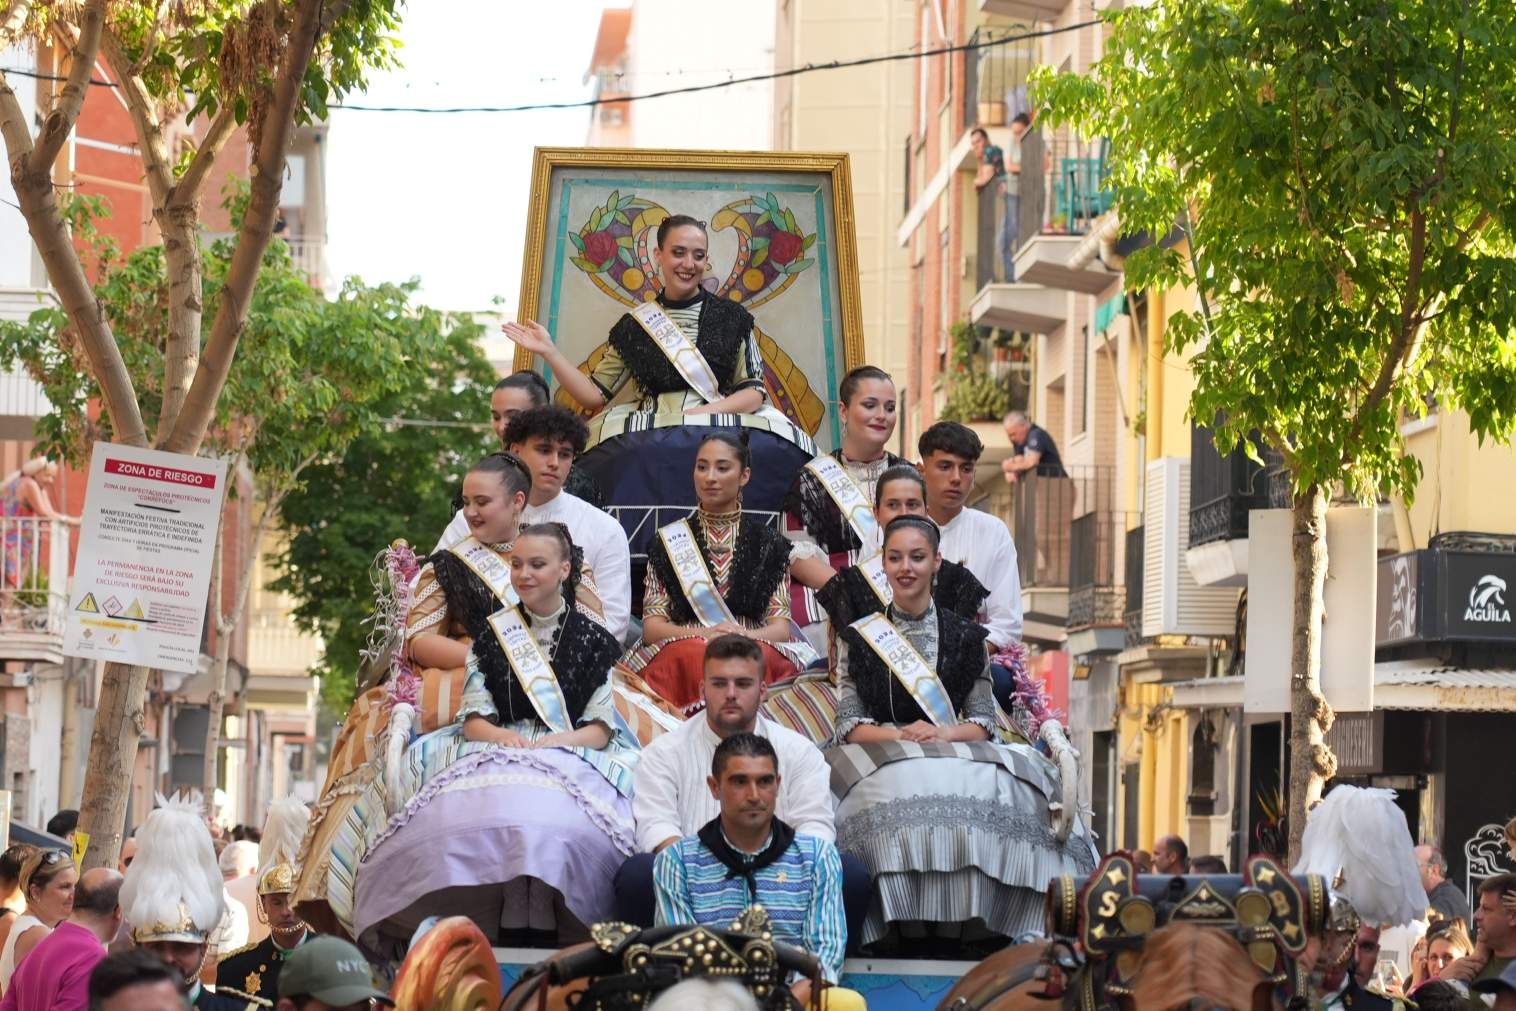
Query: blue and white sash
[486, 563]
[532, 669]
[695, 578]
[872, 568]
[849, 498]
[678, 349]
[909, 668]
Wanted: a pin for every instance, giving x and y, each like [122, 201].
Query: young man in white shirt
[973, 538]
[547, 439]
[672, 798]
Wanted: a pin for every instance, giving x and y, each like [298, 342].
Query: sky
[443, 197]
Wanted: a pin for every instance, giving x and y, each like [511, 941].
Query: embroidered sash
[909, 668]
[484, 562]
[872, 568]
[694, 577]
[533, 671]
[839, 484]
[678, 349]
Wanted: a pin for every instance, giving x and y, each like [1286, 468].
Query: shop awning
[1432, 686]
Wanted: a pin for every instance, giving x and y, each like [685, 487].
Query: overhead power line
[590, 103]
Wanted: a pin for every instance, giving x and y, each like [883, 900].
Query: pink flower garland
[1029, 693]
[401, 564]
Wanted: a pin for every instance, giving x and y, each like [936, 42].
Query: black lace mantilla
[760, 559]
[724, 330]
[585, 652]
[849, 596]
[960, 661]
[817, 511]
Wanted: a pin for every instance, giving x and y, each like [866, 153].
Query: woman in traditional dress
[959, 840]
[863, 588]
[519, 812]
[456, 591]
[826, 510]
[672, 368]
[718, 571]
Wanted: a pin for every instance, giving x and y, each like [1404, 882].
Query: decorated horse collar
[1110, 914]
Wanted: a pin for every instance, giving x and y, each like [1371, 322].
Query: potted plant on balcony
[976, 396]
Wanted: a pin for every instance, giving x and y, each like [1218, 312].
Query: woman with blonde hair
[47, 880]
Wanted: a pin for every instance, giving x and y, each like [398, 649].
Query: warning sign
[149, 536]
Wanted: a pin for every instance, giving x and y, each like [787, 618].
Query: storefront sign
[1476, 599]
[1438, 595]
[145, 553]
[1357, 739]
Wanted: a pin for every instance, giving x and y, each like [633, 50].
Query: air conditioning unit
[1172, 602]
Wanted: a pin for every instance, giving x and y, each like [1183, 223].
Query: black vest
[724, 330]
[470, 602]
[849, 595]
[586, 649]
[760, 559]
[809, 501]
[960, 661]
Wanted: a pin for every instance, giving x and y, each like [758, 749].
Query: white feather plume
[283, 830]
[175, 863]
[1360, 832]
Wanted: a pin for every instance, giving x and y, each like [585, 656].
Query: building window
[1203, 749]
[1082, 376]
[612, 115]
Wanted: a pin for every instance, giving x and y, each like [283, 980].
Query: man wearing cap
[172, 897]
[328, 974]
[252, 973]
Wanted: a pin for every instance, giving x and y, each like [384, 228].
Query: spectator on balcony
[976, 540]
[1035, 450]
[25, 496]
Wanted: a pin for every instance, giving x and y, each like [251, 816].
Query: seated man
[974, 539]
[672, 799]
[745, 856]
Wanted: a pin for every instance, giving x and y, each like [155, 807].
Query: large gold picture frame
[589, 238]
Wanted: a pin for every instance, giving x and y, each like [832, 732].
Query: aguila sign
[1443, 594]
[1487, 601]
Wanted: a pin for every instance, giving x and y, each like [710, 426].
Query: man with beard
[673, 798]
[253, 972]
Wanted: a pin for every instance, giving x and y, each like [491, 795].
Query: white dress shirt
[673, 800]
[605, 550]
[982, 544]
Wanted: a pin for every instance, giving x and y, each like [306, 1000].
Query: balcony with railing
[1064, 189]
[1097, 596]
[34, 592]
[1223, 490]
[1024, 10]
[1064, 564]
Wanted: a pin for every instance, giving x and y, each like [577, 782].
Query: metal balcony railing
[1041, 516]
[1096, 595]
[1134, 549]
[34, 592]
[1066, 180]
[1223, 489]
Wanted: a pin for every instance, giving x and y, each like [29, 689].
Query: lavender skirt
[494, 815]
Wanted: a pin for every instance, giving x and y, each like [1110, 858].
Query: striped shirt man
[800, 888]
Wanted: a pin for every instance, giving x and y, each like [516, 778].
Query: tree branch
[15, 126]
[151, 45]
[253, 238]
[65, 112]
[1400, 345]
[216, 135]
[143, 109]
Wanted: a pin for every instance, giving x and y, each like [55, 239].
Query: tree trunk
[74, 671]
[1311, 761]
[112, 755]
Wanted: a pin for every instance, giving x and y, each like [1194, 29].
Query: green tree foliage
[396, 483]
[1344, 175]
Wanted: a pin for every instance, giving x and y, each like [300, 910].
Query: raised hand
[530, 336]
